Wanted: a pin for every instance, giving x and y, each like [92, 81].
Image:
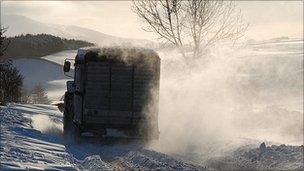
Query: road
[31, 138]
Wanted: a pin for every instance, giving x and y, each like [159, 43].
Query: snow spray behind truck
[113, 88]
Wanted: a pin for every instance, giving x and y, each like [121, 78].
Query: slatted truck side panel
[120, 89]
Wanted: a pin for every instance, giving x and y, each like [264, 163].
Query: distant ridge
[18, 24]
[39, 45]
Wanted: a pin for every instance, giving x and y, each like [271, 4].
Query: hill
[44, 72]
[39, 45]
[18, 24]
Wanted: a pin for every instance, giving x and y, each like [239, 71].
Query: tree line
[39, 45]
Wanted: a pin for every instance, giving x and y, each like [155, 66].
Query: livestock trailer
[113, 88]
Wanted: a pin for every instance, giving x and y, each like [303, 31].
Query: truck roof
[126, 54]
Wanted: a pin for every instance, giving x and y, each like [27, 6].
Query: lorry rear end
[114, 88]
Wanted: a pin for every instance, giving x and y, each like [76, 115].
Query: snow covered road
[31, 138]
[24, 147]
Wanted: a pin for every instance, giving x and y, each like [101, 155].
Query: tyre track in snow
[26, 147]
[23, 147]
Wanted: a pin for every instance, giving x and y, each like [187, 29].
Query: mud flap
[78, 108]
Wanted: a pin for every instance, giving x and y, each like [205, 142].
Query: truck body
[113, 88]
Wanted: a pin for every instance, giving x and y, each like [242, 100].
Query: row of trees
[39, 45]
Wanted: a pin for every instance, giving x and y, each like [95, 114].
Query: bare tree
[25, 95]
[199, 23]
[164, 18]
[39, 95]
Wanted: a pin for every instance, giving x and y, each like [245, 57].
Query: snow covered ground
[31, 138]
[274, 157]
[215, 116]
[46, 71]
[61, 56]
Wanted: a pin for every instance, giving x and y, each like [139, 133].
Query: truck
[113, 88]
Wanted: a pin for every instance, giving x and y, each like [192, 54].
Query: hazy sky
[267, 19]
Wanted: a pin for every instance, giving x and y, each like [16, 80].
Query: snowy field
[214, 116]
[47, 73]
[61, 56]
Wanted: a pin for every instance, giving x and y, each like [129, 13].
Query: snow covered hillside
[31, 138]
[40, 71]
[47, 71]
[19, 24]
[61, 56]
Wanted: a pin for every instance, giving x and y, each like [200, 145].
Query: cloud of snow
[46, 125]
[214, 104]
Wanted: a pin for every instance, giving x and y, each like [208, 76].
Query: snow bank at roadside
[23, 147]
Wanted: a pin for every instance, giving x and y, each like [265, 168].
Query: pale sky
[267, 19]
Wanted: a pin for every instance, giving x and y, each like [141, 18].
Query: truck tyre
[75, 133]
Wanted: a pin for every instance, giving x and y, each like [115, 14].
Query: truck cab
[113, 88]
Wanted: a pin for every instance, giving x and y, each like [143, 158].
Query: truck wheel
[76, 133]
[132, 133]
